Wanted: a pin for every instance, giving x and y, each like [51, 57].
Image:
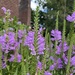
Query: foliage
[48, 18]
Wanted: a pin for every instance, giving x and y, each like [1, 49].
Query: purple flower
[40, 30]
[6, 48]
[74, 47]
[11, 58]
[60, 65]
[52, 58]
[73, 61]
[3, 43]
[4, 9]
[19, 57]
[62, 48]
[56, 35]
[73, 50]
[39, 65]
[65, 47]
[41, 44]
[11, 36]
[59, 62]
[47, 73]
[65, 59]
[71, 18]
[4, 65]
[52, 67]
[2, 56]
[33, 52]
[20, 34]
[2, 39]
[58, 51]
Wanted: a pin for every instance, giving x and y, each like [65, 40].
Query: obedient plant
[25, 51]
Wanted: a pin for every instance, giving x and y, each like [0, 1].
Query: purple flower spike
[29, 41]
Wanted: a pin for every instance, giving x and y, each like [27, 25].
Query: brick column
[25, 11]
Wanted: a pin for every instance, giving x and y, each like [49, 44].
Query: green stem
[74, 6]
[57, 20]
[69, 54]
[64, 31]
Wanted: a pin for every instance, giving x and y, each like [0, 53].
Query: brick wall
[19, 8]
[10, 4]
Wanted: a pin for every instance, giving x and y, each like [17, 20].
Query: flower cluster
[56, 35]
[54, 52]
[6, 10]
[29, 41]
[9, 48]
